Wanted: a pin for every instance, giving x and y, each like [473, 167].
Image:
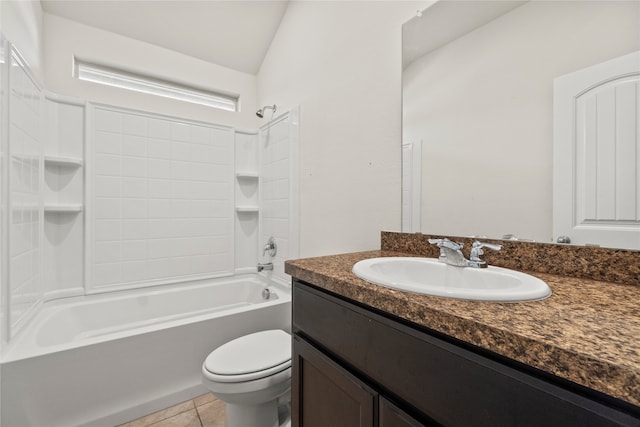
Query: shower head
[260, 112]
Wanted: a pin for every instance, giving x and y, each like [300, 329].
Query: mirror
[478, 101]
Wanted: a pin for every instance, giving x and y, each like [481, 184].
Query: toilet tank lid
[250, 353]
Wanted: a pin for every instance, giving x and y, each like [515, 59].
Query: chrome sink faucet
[451, 253]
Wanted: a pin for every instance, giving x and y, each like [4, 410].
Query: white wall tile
[180, 132]
[107, 252]
[135, 250]
[179, 266]
[109, 165]
[135, 229]
[107, 229]
[108, 186]
[158, 128]
[159, 149]
[160, 208]
[159, 168]
[218, 245]
[134, 271]
[182, 171]
[176, 197]
[107, 274]
[133, 124]
[158, 268]
[161, 228]
[108, 142]
[202, 135]
[206, 208]
[134, 146]
[201, 263]
[160, 188]
[134, 187]
[219, 155]
[181, 209]
[109, 121]
[108, 208]
[134, 166]
[159, 248]
[201, 153]
[134, 208]
[181, 151]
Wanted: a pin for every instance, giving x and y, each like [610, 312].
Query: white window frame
[110, 76]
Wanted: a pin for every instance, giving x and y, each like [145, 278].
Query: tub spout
[265, 266]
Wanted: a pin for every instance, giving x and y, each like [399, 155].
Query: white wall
[341, 62]
[22, 25]
[483, 107]
[65, 39]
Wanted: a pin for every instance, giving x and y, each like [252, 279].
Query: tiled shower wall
[278, 189]
[24, 193]
[152, 200]
[162, 199]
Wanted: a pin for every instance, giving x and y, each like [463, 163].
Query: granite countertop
[587, 331]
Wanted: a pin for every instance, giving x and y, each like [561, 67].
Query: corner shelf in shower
[247, 175]
[64, 197]
[247, 209]
[62, 161]
[247, 187]
[63, 208]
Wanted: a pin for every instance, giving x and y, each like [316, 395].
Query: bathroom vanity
[364, 355]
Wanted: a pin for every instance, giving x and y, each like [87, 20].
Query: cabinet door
[392, 416]
[325, 395]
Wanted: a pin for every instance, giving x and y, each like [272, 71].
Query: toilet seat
[250, 357]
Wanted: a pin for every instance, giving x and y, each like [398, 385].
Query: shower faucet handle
[270, 247]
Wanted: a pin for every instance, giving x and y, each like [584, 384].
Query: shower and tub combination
[131, 249]
[109, 358]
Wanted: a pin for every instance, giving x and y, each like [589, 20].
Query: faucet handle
[270, 247]
[446, 243]
[476, 250]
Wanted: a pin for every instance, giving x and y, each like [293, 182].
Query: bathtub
[109, 358]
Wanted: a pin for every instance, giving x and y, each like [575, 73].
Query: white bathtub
[109, 358]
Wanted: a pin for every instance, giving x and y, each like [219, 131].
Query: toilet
[252, 375]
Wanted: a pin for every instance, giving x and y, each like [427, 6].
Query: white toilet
[251, 374]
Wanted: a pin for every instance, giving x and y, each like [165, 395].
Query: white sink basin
[431, 277]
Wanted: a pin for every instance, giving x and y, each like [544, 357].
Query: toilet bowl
[251, 374]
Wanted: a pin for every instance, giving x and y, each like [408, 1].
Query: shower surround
[101, 199]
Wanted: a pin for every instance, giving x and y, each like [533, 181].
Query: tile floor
[203, 411]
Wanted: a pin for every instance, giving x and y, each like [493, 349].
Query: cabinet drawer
[450, 385]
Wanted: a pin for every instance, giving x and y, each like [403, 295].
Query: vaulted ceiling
[232, 33]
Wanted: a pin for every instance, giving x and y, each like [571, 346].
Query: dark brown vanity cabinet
[328, 395]
[356, 367]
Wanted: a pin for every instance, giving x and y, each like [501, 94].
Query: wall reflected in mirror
[478, 96]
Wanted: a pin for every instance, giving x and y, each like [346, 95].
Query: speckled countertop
[588, 331]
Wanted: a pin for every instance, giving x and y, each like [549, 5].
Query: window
[124, 79]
